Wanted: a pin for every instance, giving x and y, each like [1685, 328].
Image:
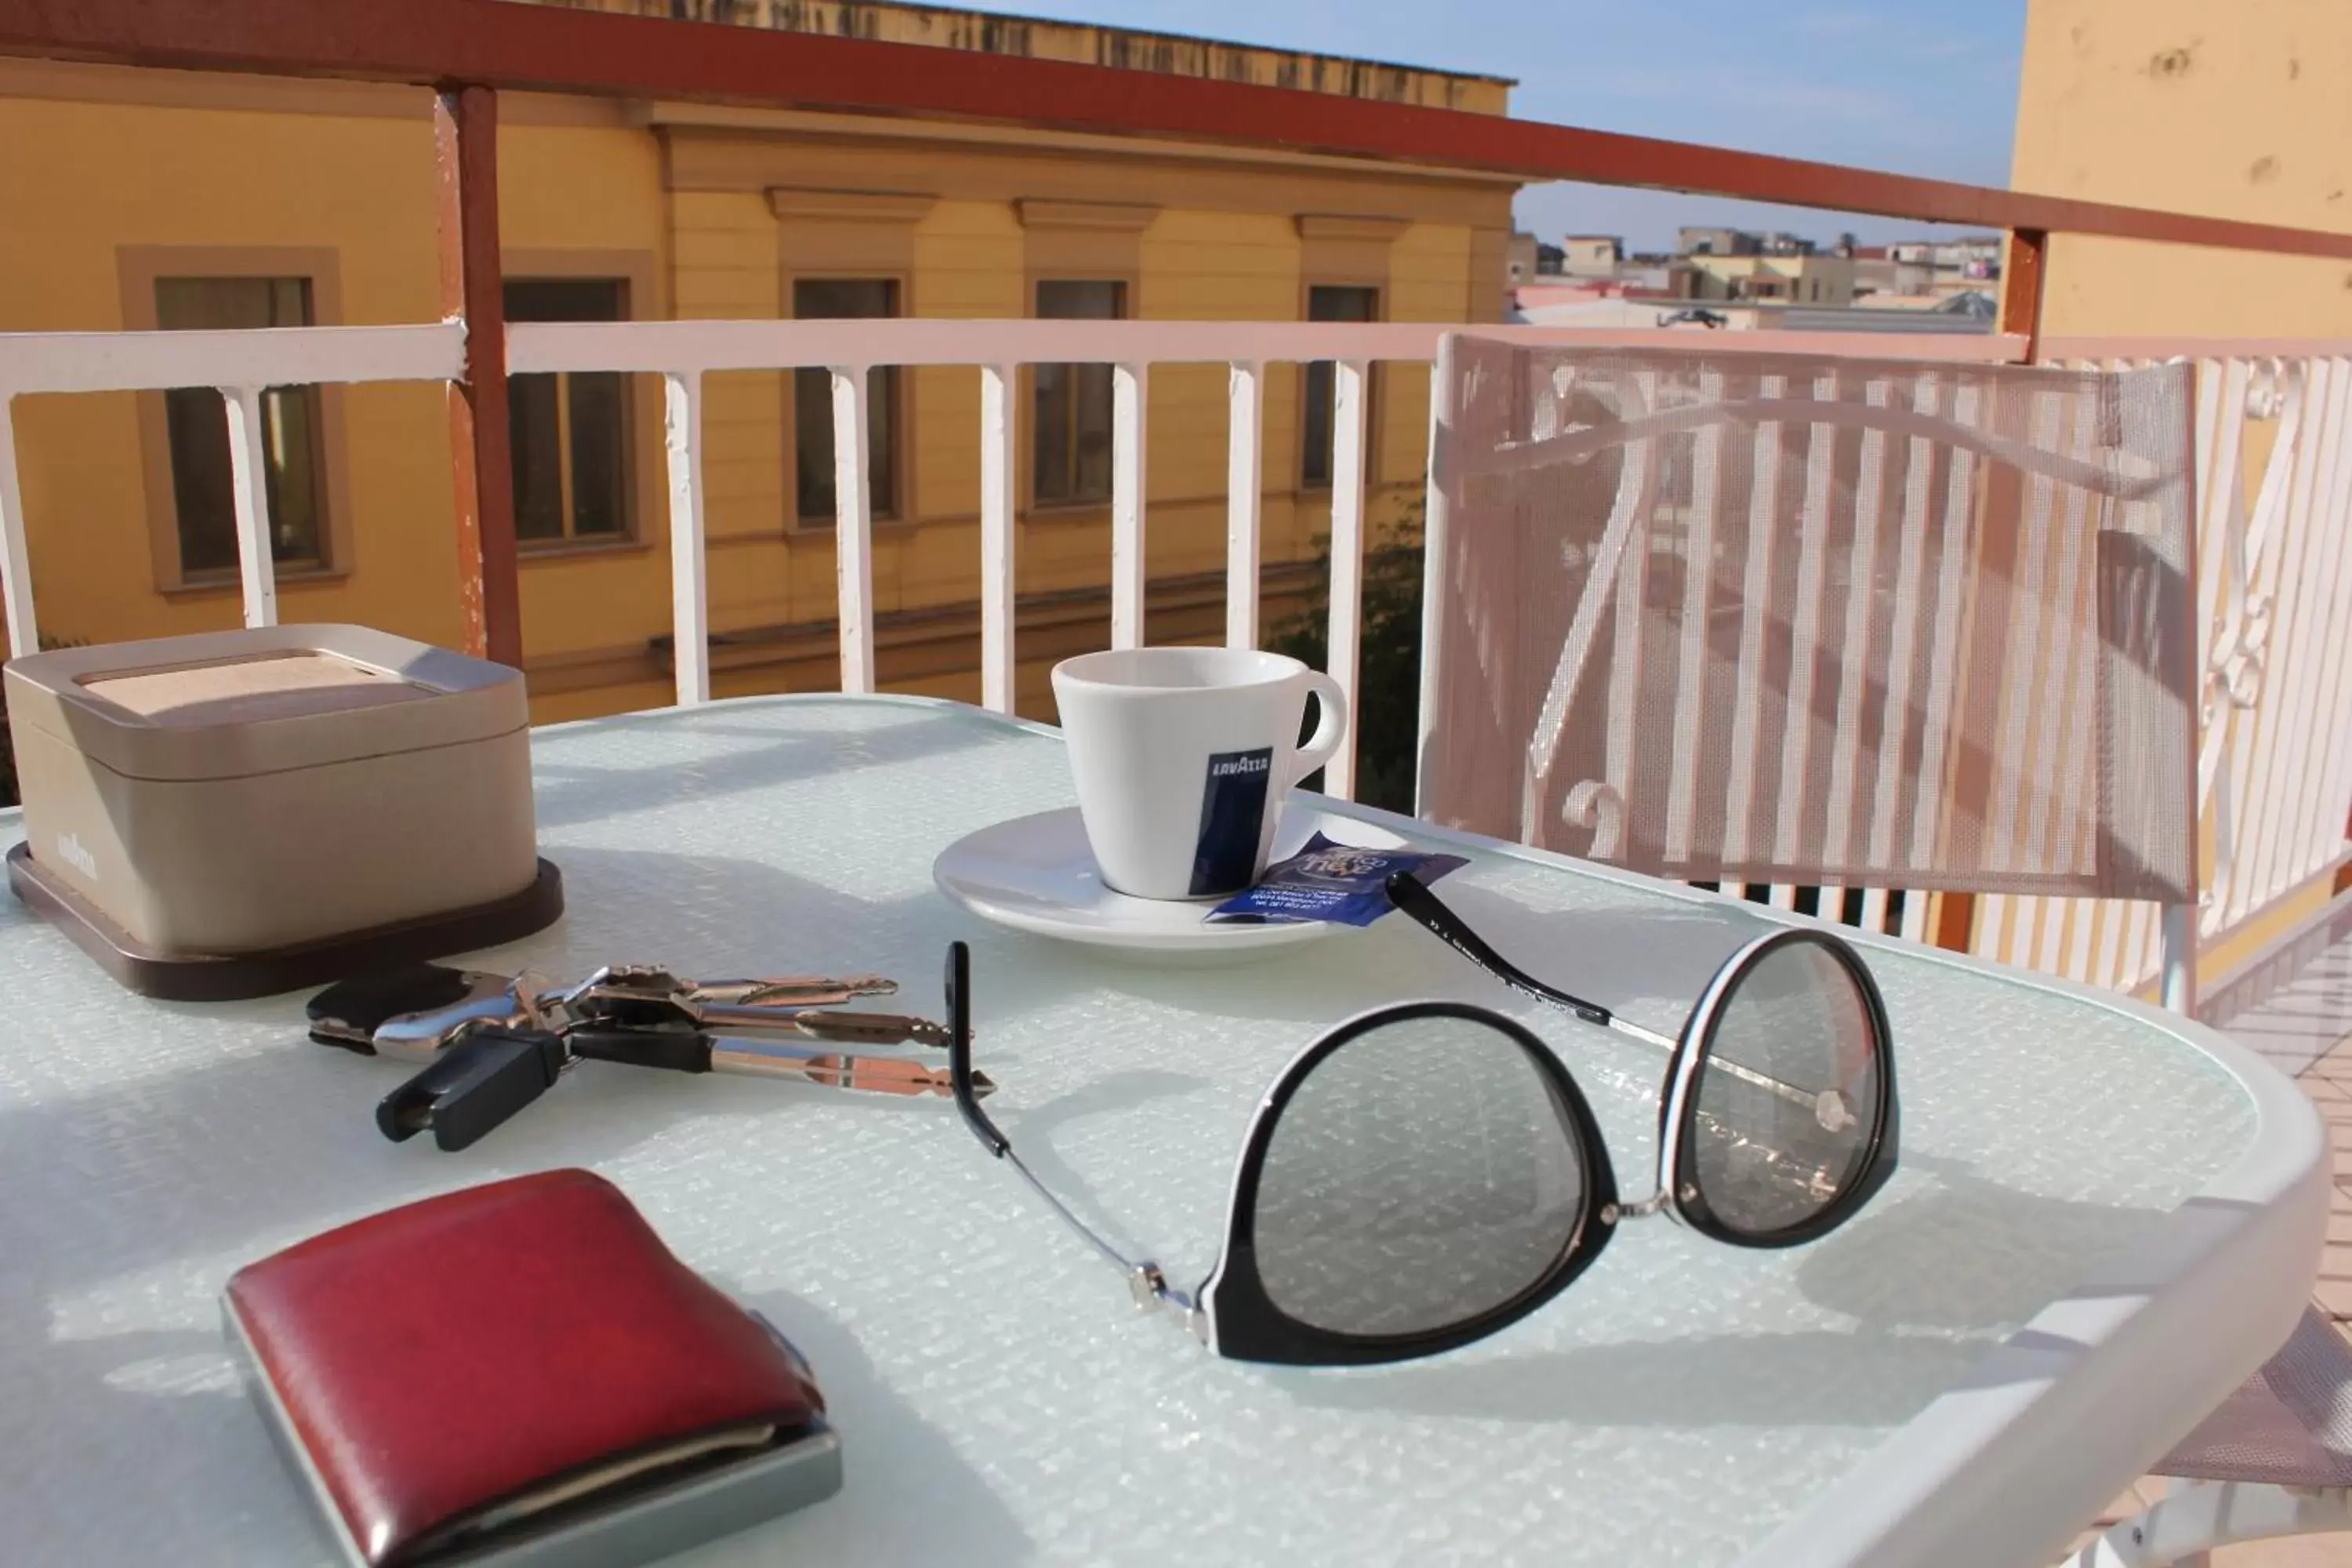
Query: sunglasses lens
[1425, 1173]
[1787, 1098]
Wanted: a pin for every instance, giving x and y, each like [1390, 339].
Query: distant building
[1717, 242]
[1972, 256]
[1519, 259]
[1876, 273]
[1802, 278]
[1592, 255]
[1778, 244]
[1550, 260]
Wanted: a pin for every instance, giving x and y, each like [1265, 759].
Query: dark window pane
[203, 496]
[599, 435]
[1327, 303]
[567, 298]
[569, 432]
[825, 298]
[200, 479]
[813, 443]
[533, 427]
[1071, 425]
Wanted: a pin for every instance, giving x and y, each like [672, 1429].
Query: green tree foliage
[1387, 701]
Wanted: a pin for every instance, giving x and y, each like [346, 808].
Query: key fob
[473, 1086]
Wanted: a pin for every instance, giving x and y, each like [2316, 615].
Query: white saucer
[1035, 874]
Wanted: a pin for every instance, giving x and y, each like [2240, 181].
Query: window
[203, 500]
[1325, 303]
[1072, 425]
[825, 298]
[571, 431]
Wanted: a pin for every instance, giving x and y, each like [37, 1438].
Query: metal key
[628, 992]
[696, 1051]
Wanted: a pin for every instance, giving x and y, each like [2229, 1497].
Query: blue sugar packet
[1343, 883]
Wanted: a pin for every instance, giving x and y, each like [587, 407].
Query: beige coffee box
[245, 791]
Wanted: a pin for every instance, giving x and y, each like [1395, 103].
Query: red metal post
[2021, 274]
[465, 155]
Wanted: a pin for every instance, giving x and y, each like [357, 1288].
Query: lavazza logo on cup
[1232, 810]
[1182, 756]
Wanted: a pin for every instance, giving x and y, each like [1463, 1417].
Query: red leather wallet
[513, 1360]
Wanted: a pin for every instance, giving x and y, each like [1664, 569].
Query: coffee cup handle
[1330, 729]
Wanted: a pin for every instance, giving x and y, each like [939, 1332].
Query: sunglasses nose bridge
[1633, 1209]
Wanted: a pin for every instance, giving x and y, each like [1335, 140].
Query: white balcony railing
[2276, 571]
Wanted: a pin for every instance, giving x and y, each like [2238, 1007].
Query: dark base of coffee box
[232, 977]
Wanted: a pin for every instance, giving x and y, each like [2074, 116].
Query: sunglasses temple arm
[1150, 1287]
[1412, 895]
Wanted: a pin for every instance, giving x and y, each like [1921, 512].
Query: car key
[473, 1085]
[696, 1051]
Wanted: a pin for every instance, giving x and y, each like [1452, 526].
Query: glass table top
[998, 1397]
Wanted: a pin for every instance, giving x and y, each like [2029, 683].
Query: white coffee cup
[1182, 757]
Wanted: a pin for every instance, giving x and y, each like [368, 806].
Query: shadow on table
[1935, 1282]
[1107, 1095]
[1814, 1378]
[1963, 1252]
[907, 1495]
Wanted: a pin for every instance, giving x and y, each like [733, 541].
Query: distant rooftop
[1171, 54]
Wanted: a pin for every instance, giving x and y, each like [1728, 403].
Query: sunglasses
[1428, 1173]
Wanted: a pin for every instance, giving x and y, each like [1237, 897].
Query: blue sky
[1917, 88]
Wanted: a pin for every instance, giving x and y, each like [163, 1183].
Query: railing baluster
[688, 595]
[1436, 518]
[1755, 613]
[2278, 730]
[15, 560]
[1691, 739]
[853, 528]
[1915, 914]
[997, 670]
[2322, 814]
[1807, 640]
[1129, 386]
[1855, 646]
[249, 483]
[1352, 378]
[1245, 455]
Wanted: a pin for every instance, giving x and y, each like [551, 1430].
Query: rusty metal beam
[466, 187]
[2021, 274]
[543, 48]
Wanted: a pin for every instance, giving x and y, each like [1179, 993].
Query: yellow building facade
[166, 199]
[2237, 111]
[1779, 280]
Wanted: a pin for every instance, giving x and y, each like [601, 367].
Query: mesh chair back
[2289, 1425]
[1775, 617]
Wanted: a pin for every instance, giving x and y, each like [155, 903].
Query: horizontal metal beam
[266, 357]
[713, 346]
[543, 48]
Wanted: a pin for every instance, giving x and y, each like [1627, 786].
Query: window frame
[1128, 284]
[138, 268]
[1378, 288]
[643, 464]
[902, 402]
